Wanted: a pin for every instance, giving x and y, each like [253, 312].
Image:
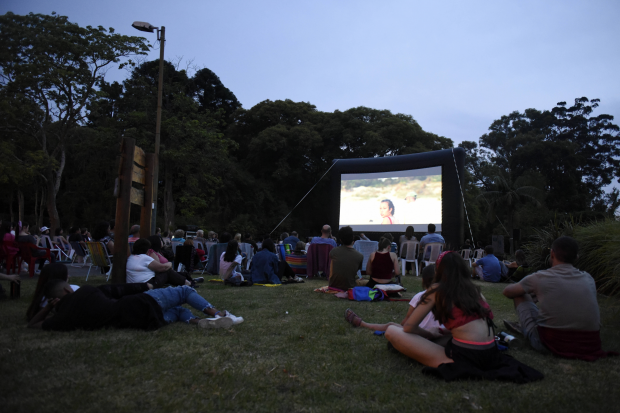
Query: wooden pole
[147, 209]
[121, 228]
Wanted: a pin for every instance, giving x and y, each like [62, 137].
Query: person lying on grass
[429, 323]
[124, 306]
[54, 271]
[471, 352]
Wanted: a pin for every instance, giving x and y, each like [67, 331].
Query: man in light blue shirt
[491, 270]
[430, 237]
[325, 238]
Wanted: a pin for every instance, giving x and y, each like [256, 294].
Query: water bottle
[15, 289]
[511, 341]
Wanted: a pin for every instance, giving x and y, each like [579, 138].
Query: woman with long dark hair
[102, 234]
[229, 261]
[54, 271]
[458, 304]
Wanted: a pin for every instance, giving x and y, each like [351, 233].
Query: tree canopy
[231, 168]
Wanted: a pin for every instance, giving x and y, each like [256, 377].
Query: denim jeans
[170, 299]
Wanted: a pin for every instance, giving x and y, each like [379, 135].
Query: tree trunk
[52, 211]
[169, 204]
[41, 209]
[20, 205]
[11, 207]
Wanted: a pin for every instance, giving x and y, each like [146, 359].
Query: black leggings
[285, 270]
[38, 253]
[167, 277]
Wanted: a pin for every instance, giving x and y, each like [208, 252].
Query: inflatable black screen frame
[452, 215]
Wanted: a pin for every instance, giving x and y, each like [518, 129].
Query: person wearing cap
[409, 212]
[25, 236]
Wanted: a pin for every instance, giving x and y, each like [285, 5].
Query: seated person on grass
[142, 268]
[518, 269]
[566, 320]
[471, 352]
[230, 260]
[428, 323]
[345, 262]
[487, 267]
[300, 248]
[124, 306]
[382, 264]
[266, 269]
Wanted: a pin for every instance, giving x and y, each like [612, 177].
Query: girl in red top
[386, 209]
[382, 265]
[471, 353]
[458, 304]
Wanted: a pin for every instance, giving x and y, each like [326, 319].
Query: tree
[207, 88]
[506, 197]
[193, 150]
[577, 153]
[50, 70]
[285, 147]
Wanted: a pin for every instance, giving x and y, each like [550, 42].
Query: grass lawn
[307, 360]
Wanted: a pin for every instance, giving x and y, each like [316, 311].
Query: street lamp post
[161, 36]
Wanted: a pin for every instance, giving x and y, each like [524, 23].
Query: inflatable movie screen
[373, 201]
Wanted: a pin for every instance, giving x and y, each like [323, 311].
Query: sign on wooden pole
[121, 226]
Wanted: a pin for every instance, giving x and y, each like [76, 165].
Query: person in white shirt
[142, 268]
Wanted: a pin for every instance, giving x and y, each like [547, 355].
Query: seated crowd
[449, 326]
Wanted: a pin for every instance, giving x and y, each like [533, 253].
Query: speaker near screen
[389, 194]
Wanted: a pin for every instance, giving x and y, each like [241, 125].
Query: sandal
[352, 318]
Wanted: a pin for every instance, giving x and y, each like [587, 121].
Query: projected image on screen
[398, 198]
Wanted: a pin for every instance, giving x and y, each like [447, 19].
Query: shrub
[599, 253]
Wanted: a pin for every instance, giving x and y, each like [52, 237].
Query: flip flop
[352, 318]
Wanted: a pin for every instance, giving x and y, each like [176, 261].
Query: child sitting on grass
[429, 323]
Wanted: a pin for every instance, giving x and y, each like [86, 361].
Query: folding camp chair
[318, 259]
[99, 257]
[46, 242]
[249, 253]
[365, 248]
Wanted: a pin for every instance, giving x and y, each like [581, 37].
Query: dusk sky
[454, 66]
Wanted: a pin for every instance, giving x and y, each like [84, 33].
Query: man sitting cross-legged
[124, 306]
[345, 261]
[566, 320]
[488, 268]
[429, 323]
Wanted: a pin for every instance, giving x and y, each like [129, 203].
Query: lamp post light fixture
[161, 36]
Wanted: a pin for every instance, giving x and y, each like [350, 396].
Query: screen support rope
[317, 182]
[463, 196]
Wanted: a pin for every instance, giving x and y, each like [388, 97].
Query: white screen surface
[413, 198]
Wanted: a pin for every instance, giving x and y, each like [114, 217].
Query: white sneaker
[236, 320]
[218, 322]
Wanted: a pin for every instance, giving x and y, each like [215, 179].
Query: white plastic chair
[433, 249]
[478, 254]
[46, 242]
[466, 254]
[409, 253]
